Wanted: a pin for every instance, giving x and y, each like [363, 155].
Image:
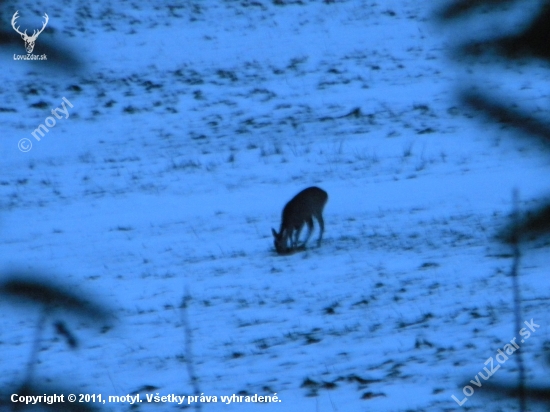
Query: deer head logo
[29, 40]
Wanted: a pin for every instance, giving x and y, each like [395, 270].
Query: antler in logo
[29, 40]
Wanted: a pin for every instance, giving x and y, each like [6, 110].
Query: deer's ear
[273, 231]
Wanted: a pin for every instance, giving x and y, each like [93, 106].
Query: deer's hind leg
[322, 228]
[309, 230]
[294, 239]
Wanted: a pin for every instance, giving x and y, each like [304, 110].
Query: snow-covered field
[193, 124]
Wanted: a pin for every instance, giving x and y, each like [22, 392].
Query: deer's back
[307, 203]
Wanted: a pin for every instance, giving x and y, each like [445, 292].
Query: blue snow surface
[192, 124]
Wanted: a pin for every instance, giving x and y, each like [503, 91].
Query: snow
[195, 124]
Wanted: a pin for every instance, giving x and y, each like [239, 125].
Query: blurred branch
[459, 8]
[533, 224]
[533, 42]
[532, 393]
[35, 349]
[189, 360]
[29, 289]
[516, 118]
[517, 299]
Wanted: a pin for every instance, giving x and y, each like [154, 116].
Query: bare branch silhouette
[518, 118]
[28, 289]
[460, 8]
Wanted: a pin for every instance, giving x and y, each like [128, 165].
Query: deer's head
[29, 40]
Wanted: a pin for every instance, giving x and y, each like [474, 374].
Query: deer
[29, 40]
[299, 211]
